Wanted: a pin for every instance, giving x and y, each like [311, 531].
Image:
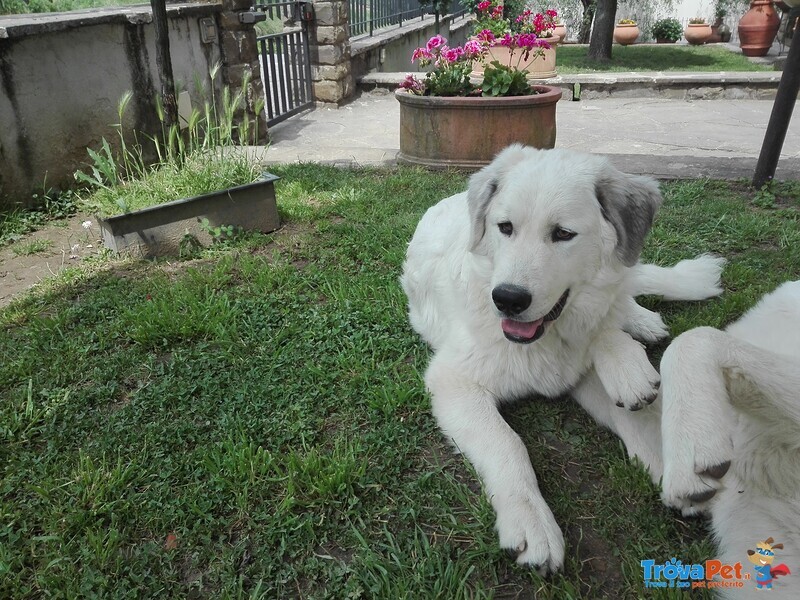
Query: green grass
[655, 57]
[10, 7]
[199, 174]
[32, 247]
[253, 423]
[14, 224]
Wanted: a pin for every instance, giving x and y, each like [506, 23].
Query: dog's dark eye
[506, 228]
[563, 235]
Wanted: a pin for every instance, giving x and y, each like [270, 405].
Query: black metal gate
[285, 62]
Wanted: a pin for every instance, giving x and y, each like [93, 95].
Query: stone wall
[240, 60]
[329, 43]
[63, 74]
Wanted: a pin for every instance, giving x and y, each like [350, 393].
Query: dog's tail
[692, 279]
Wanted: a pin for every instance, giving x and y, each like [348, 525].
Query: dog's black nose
[511, 299]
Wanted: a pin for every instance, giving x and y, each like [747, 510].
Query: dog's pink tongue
[520, 329]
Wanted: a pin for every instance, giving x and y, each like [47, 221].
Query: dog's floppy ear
[482, 188]
[629, 203]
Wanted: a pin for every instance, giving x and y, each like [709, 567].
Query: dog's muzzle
[525, 332]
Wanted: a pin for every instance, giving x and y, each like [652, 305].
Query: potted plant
[720, 32]
[560, 31]
[625, 32]
[449, 119]
[667, 31]
[197, 191]
[697, 32]
[758, 27]
[493, 19]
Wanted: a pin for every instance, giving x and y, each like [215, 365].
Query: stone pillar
[240, 62]
[329, 41]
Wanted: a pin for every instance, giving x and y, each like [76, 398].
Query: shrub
[667, 29]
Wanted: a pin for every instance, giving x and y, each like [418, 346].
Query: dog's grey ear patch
[479, 196]
[629, 203]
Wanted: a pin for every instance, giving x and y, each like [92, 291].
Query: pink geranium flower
[435, 42]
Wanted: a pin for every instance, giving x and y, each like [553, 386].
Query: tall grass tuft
[182, 160]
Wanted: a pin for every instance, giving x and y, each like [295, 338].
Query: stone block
[331, 35]
[329, 91]
[233, 75]
[237, 4]
[330, 13]
[330, 72]
[329, 55]
[229, 20]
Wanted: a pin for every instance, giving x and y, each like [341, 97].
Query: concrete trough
[165, 229]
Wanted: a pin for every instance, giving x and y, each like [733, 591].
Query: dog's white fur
[733, 398]
[458, 256]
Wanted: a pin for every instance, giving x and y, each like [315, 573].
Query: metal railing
[368, 16]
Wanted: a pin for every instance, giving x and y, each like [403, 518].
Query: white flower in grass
[86, 224]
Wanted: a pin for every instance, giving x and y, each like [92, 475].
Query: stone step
[646, 84]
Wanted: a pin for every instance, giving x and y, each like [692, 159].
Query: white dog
[731, 435]
[524, 285]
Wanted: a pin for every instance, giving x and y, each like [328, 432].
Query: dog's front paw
[636, 389]
[529, 532]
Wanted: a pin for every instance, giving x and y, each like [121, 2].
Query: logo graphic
[710, 574]
[763, 557]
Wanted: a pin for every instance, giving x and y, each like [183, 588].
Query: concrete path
[666, 138]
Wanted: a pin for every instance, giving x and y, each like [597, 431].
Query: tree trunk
[603, 32]
[164, 62]
[585, 30]
[781, 115]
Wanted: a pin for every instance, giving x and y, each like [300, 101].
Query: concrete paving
[666, 138]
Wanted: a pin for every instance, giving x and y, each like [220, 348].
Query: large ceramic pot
[538, 66]
[560, 32]
[625, 34]
[757, 28]
[697, 33]
[443, 132]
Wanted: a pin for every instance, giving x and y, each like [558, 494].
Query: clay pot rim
[547, 94]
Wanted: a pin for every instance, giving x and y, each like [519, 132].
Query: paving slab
[663, 137]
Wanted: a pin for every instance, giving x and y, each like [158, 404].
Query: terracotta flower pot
[537, 67]
[626, 34]
[443, 132]
[560, 32]
[697, 33]
[757, 28]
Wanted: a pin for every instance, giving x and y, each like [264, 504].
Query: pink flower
[551, 13]
[473, 49]
[413, 85]
[435, 42]
[486, 37]
[507, 41]
[484, 5]
[421, 54]
[453, 55]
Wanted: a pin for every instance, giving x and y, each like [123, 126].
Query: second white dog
[731, 425]
[524, 285]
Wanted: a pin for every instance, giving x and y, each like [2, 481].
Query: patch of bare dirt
[66, 244]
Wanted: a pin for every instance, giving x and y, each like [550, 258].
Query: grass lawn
[251, 423]
[655, 57]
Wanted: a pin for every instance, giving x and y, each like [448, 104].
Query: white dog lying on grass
[525, 285]
[731, 436]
